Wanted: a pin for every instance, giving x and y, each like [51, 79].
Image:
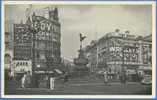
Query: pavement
[84, 87]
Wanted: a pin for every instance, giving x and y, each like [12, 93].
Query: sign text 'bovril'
[45, 30]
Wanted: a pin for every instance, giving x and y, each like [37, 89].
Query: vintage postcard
[81, 49]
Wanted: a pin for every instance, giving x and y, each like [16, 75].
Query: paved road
[79, 87]
[114, 89]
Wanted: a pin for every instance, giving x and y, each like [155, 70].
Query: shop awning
[58, 71]
[145, 68]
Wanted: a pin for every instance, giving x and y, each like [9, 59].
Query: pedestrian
[123, 78]
[28, 79]
[66, 77]
[23, 81]
[52, 83]
[118, 75]
[106, 78]
[35, 80]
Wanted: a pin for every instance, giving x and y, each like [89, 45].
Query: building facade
[91, 54]
[38, 40]
[22, 42]
[22, 66]
[119, 51]
[8, 46]
[8, 55]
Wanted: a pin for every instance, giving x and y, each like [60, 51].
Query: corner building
[118, 51]
[47, 40]
[44, 46]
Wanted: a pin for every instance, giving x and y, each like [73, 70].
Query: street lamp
[123, 70]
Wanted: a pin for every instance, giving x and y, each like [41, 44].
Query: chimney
[28, 21]
[33, 17]
[51, 14]
[56, 13]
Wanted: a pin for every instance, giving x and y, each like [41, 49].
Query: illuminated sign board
[130, 54]
[45, 29]
[120, 35]
[21, 66]
[21, 34]
[114, 49]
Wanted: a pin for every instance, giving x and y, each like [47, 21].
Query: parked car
[147, 80]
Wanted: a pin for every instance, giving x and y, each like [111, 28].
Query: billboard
[130, 54]
[46, 29]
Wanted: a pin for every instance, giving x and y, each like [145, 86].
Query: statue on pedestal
[81, 61]
[81, 40]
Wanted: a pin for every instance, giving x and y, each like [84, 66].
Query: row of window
[22, 63]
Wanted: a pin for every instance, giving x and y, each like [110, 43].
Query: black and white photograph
[86, 49]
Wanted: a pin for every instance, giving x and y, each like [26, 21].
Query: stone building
[117, 51]
[8, 47]
[22, 42]
[91, 54]
[38, 40]
[8, 55]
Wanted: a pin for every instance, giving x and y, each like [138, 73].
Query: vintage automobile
[147, 80]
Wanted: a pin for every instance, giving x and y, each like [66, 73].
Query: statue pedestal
[81, 69]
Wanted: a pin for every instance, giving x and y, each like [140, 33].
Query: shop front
[131, 72]
[43, 78]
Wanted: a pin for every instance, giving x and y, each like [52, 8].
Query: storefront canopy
[48, 71]
[145, 68]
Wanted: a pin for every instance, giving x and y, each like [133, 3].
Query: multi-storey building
[8, 43]
[91, 54]
[8, 53]
[22, 50]
[47, 40]
[117, 50]
[38, 40]
[22, 42]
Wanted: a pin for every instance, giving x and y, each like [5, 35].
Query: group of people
[27, 79]
[107, 79]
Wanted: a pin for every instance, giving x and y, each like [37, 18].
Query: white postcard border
[83, 3]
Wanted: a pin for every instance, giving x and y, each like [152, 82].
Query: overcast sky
[91, 20]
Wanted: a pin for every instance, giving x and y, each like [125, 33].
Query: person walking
[66, 77]
[123, 78]
[106, 78]
[23, 81]
[28, 79]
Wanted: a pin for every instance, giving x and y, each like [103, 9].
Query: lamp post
[123, 71]
[33, 51]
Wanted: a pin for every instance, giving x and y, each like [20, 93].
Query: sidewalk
[86, 88]
[81, 84]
